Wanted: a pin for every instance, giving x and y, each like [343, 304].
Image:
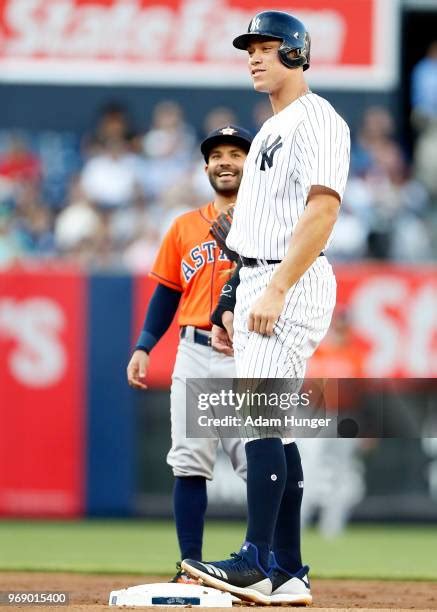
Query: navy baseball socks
[286, 540]
[266, 477]
[290, 583]
[189, 507]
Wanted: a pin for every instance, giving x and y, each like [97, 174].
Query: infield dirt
[89, 593]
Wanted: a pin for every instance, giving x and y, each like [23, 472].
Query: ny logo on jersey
[267, 151]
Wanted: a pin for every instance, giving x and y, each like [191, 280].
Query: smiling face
[225, 168]
[266, 69]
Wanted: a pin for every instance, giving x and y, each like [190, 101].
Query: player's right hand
[220, 341]
[137, 370]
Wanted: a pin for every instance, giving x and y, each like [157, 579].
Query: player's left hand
[221, 342]
[265, 312]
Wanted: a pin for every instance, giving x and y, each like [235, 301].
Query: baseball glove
[220, 230]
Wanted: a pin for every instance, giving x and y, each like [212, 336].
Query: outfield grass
[149, 547]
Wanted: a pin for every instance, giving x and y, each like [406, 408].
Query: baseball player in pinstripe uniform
[190, 271]
[293, 182]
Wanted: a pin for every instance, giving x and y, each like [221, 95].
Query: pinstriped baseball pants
[303, 323]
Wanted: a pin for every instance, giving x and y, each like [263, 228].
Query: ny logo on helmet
[267, 151]
[255, 24]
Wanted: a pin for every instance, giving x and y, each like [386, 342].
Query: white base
[171, 594]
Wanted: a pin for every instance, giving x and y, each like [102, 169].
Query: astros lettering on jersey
[190, 261]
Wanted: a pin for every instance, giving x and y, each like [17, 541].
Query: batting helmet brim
[243, 41]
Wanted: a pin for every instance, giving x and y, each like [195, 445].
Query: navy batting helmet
[280, 26]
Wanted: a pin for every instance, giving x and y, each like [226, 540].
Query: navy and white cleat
[289, 589]
[241, 575]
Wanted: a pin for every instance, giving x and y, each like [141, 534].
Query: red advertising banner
[188, 42]
[391, 312]
[42, 394]
[385, 325]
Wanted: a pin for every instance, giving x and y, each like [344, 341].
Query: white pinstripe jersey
[305, 144]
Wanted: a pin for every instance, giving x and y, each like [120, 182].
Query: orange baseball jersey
[190, 261]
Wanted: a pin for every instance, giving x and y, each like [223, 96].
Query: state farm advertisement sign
[188, 42]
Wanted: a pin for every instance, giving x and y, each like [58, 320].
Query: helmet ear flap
[296, 60]
[302, 57]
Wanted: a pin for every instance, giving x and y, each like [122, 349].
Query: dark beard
[227, 191]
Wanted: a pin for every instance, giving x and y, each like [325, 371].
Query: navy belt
[253, 261]
[197, 337]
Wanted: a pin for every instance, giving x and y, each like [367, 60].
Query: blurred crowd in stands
[106, 199]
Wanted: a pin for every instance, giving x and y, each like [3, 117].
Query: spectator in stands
[168, 146]
[20, 171]
[425, 155]
[424, 89]
[217, 117]
[424, 120]
[140, 254]
[169, 134]
[377, 128]
[400, 204]
[358, 210]
[113, 123]
[109, 179]
[350, 235]
[78, 225]
[37, 232]
[11, 244]
[124, 223]
[30, 221]
[18, 163]
[394, 189]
